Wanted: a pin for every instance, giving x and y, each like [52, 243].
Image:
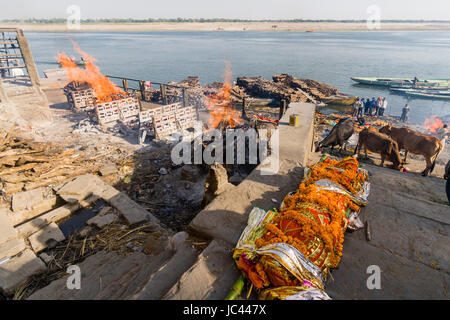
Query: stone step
[7, 231]
[22, 216]
[210, 278]
[107, 275]
[11, 247]
[161, 281]
[18, 269]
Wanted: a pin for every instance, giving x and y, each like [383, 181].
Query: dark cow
[418, 143]
[371, 139]
[338, 135]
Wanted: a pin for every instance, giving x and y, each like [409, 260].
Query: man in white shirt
[382, 107]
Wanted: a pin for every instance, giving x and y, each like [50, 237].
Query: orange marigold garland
[313, 220]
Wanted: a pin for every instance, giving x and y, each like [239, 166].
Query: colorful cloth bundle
[288, 253]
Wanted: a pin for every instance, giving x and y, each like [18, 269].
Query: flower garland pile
[313, 221]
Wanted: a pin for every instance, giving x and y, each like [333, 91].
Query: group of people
[374, 107]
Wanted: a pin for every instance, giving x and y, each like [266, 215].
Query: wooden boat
[388, 82]
[341, 99]
[428, 95]
[428, 88]
[424, 91]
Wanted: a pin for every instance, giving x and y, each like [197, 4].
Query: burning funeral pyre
[90, 90]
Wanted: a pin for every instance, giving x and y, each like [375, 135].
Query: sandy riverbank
[234, 26]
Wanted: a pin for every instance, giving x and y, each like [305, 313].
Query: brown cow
[371, 139]
[415, 142]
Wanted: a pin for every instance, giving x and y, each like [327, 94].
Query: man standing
[377, 106]
[367, 106]
[372, 106]
[405, 111]
[356, 106]
[383, 107]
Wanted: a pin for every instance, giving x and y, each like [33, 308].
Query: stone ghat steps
[30, 225]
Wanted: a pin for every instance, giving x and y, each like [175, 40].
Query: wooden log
[25, 167]
[57, 179]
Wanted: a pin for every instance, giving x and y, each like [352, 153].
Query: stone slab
[27, 214]
[106, 275]
[108, 170]
[55, 215]
[18, 269]
[162, 280]
[401, 278]
[27, 200]
[78, 189]
[11, 247]
[7, 231]
[102, 220]
[130, 210]
[210, 278]
[39, 240]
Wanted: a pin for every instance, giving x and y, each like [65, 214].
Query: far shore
[235, 26]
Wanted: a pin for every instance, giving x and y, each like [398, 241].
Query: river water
[331, 57]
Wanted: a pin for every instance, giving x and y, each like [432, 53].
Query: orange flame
[104, 89]
[433, 123]
[220, 104]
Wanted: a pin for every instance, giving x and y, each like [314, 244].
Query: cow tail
[441, 147]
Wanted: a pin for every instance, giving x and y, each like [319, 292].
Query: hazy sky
[243, 9]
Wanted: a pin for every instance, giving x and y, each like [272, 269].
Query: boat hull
[342, 101]
[388, 82]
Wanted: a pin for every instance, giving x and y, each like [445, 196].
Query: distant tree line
[201, 20]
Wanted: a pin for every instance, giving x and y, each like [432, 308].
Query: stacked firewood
[194, 92]
[26, 164]
[317, 90]
[263, 88]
